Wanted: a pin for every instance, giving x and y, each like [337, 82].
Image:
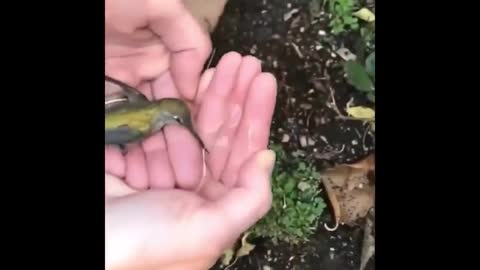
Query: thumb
[251, 198]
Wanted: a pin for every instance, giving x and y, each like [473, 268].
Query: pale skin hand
[154, 40]
[182, 221]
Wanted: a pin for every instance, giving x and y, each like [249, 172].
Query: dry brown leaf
[366, 164]
[355, 204]
[207, 13]
[368, 245]
[350, 191]
[328, 185]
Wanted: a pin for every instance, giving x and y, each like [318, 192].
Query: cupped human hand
[164, 209]
[149, 40]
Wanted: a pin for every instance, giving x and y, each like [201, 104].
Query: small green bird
[133, 117]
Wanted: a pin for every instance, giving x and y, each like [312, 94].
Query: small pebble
[306, 106]
[289, 5]
[311, 141]
[332, 249]
[311, 91]
[253, 50]
[334, 55]
[302, 29]
[318, 47]
[285, 138]
[266, 267]
[354, 142]
[322, 32]
[303, 141]
[293, 100]
[276, 36]
[264, 11]
[275, 64]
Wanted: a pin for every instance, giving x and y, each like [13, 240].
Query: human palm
[178, 210]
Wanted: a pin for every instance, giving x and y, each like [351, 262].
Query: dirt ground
[301, 53]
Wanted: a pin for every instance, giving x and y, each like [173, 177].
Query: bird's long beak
[197, 137]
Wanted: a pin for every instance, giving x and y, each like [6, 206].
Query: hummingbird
[130, 117]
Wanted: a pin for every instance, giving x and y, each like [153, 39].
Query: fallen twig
[297, 50]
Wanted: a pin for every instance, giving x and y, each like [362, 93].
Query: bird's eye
[177, 118]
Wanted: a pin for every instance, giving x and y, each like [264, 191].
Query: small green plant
[296, 204]
[342, 15]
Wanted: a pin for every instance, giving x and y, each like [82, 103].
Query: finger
[120, 70]
[214, 109]
[253, 132]
[251, 198]
[152, 62]
[164, 87]
[146, 89]
[158, 164]
[136, 170]
[249, 69]
[114, 161]
[189, 50]
[205, 81]
[185, 156]
[212, 190]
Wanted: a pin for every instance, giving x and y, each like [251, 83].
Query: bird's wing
[118, 93]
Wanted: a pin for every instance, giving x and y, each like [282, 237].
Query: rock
[303, 141]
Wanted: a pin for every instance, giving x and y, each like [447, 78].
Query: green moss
[296, 205]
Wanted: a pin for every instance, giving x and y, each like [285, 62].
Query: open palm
[178, 208]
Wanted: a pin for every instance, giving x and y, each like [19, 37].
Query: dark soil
[300, 52]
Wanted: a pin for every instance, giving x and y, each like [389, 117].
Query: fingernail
[266, 160]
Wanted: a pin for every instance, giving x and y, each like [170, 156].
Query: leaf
[246, 247]
[289, 185]
[365, 14]
[302, 166]
[304, 186]
[370, 65]
[361, 112]
[358, 76]
[227, 257]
